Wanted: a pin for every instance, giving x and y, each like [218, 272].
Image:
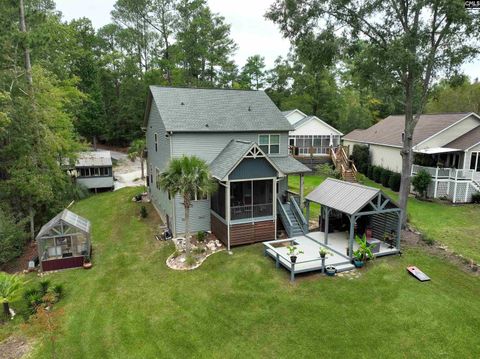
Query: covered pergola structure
[365, 209]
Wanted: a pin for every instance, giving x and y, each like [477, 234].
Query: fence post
[435, 184]
[455, 187]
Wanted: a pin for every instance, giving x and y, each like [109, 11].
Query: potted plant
[87, 263]
[363, 253]
[323, 252]
[293, 252]
[330, 270]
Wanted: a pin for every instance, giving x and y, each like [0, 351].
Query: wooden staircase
[343, 164]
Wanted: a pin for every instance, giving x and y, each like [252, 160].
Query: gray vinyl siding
[208, 145]
[282, 186]
[96, 182]
[158, 159]
[199, 215]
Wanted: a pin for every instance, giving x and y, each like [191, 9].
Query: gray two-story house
[243, 137]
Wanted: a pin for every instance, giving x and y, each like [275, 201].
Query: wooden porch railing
[343, 164]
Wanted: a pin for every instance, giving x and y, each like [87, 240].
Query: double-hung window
[269, 144]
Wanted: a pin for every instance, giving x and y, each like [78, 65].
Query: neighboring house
[244, 138]
[311, 135]
[449, 142]
[93, 169]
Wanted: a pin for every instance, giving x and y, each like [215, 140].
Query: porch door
[475, 161]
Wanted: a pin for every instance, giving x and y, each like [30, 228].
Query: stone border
[194, 267]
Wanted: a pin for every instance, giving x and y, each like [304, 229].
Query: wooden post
[327, 219]
[274, 204]
[292, 273]
[277, 261]
[351, 235]
[227, 212]
[323, 265]
[301, 190]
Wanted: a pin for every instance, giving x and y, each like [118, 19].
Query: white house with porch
[445, 145]
[311, 135]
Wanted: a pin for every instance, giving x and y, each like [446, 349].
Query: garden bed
[202, 246]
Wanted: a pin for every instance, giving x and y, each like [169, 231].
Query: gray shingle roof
[217, 110]
[233, 152]
[466, 141]
[343, 196]
[389, 131]
[289, 165]
[68, 217]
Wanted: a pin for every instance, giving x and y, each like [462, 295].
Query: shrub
[44, 285]
[58, 290]
[201, 235]
[394, 181]
[476, 197]
[327, 170]
[33, 298]
[198, 250]
[385, 177]
[421, 181]
[191, 260]
[143, 212]
[377, 174]
[370, 170]
[361, 157]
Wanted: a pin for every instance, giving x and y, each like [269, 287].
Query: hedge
[394, 181]
[377, 174]
[361, 157]
[385, 177]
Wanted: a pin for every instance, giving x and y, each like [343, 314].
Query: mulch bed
[200, 250]
[21, 263]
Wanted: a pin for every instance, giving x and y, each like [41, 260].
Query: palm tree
[10, 285]
[137, 150]
[188, 177]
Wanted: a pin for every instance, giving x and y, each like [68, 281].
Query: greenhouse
[64, 242]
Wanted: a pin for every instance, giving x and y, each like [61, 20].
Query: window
[156, 142]
[151, 174]
[269, 144]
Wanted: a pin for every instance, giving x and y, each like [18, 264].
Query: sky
[250, 30]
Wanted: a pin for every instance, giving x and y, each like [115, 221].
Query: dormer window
[270, 144]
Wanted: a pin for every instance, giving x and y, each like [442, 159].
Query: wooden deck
[310, 260]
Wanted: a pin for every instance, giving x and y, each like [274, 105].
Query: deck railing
[251, 211]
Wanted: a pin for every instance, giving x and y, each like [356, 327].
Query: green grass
[456, 226]
[130, 305]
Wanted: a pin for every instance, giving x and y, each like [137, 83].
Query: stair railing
[284, 217]
[297, 212]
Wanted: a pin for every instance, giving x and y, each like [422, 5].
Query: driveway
[127, 173]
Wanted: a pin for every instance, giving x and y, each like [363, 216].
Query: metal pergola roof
[343, 196]
[69, 218]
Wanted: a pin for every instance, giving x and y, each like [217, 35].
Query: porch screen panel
[217, 203]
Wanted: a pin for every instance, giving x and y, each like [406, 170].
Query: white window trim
[270, 142]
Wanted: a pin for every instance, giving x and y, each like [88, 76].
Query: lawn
[130, 305]
[456, 226]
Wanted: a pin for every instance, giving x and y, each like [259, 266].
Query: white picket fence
[457, 185]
